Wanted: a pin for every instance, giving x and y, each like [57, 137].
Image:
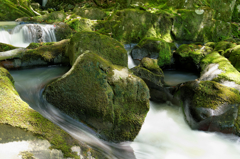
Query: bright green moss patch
[210, 94]
[36, 45]
[229, 72]
[6, 47]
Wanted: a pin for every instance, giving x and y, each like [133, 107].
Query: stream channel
[164, 134]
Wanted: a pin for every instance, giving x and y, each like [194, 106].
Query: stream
[164, 134]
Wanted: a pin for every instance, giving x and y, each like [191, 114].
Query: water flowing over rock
[36, 33]
[105, 96]
[23, 35]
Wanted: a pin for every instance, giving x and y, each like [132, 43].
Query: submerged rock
[106, 47]
[105, 96]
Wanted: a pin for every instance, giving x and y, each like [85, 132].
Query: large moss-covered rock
[188, 56]
[153, 48]
[90, 13]
[132, 25]
[17, 113]
[107, 97]
[191, 25]
[13, 9]
[108, 48]
[62, 31]
[209, 106]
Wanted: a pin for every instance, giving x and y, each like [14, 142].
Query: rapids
[164, 134]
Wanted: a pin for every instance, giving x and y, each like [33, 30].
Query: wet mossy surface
[108, 48]
[229, 72]
[159, 47]
[210, 94]
[105, 96]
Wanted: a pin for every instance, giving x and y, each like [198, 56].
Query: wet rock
[105, 96]
[154, 48]
[108, 48]
[188, 56]
[209, 106]
[36, 54]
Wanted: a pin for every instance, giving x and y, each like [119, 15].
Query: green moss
[17, 113]
[81, 24]
[114, 106]
[106, 47]
[36, 45]
[210, 94]
[163, 48]
[6, 47]
[223, 45]
[229, 72]
[11, 11]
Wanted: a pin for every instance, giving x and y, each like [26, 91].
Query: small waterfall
[23, 35]
[44, 2]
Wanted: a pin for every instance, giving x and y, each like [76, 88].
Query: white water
[44, 2]
[23, 35]
[164, 134]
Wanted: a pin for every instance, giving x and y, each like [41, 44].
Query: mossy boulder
[153, 76]
[36, 54]
[105, 96]
[13, 9]
[90, 13]
[6, 47]
[188, 56]
[132, 25]
[81, 24]
[62, 31]
[150, 72]
[57, 16]
[153, 48]
[190, 25]
[108, 48]
[17, 113]
[209, 106]
[219, 69]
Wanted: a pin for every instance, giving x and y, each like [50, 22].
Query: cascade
[23, 35]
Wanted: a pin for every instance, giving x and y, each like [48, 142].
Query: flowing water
[23, 35]
[164, 134]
